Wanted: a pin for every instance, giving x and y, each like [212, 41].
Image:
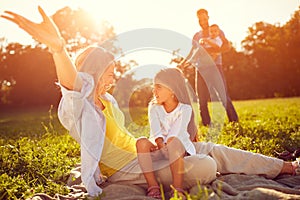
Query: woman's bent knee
[199, 169]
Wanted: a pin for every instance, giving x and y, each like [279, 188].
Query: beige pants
[197, 168]
[231, 160]
[203, 167]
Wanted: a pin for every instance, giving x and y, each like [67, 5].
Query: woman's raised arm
[47, 33]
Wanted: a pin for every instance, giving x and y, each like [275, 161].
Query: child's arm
[155, 126]
[226, 46]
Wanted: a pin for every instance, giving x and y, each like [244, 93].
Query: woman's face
[162, 94]
[106, 80]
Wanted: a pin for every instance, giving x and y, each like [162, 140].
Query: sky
[233, 16]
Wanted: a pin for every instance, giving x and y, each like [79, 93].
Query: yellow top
[119, 145]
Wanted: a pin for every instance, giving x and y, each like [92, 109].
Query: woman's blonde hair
[94, 60]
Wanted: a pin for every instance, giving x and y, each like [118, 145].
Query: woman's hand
[45, 32]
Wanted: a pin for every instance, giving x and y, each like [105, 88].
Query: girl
[172, 129]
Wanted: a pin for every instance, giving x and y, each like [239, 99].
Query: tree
[238, 71]
[80, 29]
[27, 73]
[292, 55]
[274, 51]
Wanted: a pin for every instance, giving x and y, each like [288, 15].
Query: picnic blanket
[230, 186]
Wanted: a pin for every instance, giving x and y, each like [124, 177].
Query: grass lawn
[37, 153]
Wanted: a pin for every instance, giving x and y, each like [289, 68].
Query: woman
[90, 114]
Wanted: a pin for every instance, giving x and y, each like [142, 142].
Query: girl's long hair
[173, 79]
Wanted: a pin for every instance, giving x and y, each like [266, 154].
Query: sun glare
[234, 17]
[148, 57]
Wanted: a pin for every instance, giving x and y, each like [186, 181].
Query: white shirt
[173, 124]
[86, 124]
[218, 41]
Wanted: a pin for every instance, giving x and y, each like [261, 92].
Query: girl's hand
[45, 32]
[102, 179]
[154, 148]
[165, 152]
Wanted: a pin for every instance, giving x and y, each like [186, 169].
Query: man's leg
[230, 110]
[203, 96]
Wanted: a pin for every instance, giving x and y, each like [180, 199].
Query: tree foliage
[27, 73]
[80, 29]
[268, 66]
[29, 76]
[274, 54]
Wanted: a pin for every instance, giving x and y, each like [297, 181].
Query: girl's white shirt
[87, 125]
[173, 124]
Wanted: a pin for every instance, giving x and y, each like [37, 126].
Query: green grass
[265, 126]
[37, 153]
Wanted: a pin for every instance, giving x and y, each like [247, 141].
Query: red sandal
[154, 192]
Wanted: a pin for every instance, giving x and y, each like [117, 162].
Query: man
[206, 76]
